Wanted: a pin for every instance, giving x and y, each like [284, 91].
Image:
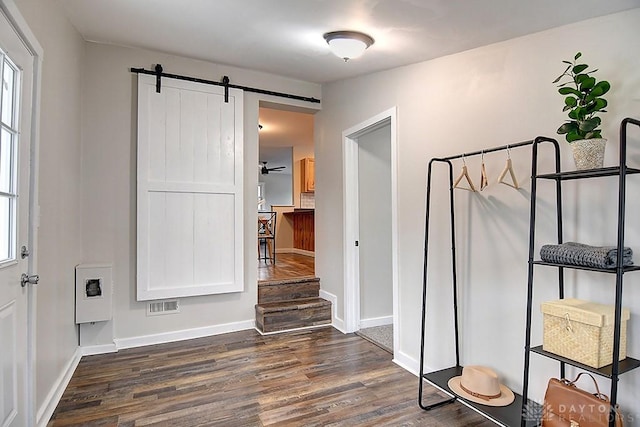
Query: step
[283, 315]
[288, 289]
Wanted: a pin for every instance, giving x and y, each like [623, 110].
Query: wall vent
[163, 307]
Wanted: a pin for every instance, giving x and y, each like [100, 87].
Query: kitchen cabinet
[303, 229]
[307, 173]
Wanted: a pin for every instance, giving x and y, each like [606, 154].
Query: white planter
[588, 153]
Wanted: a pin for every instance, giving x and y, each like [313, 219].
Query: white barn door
[190, 210]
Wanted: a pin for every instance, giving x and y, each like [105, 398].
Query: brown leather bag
[565, 405]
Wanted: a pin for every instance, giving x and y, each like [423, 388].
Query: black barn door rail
[159, 73]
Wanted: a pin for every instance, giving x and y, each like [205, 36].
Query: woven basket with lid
[582, 331]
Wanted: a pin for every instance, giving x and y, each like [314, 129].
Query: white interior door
[16, 74]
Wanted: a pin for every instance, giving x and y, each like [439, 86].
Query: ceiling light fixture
[348, 44]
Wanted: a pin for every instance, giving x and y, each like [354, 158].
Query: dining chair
[267, 235]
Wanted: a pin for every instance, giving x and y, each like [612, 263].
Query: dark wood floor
[316, 377]
[287, 266]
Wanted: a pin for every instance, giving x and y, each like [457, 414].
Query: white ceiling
[285, 128]
[282, 130]
[284, 37]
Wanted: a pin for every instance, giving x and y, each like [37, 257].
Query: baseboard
[339, 325]
[284, 250]
[90, 350]
[45, 412]
[295, 251]
[336, 321]
[408, 363]
[376, 321]
[303, 252]
[185, 334]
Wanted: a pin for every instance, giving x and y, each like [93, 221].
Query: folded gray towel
[584, 255]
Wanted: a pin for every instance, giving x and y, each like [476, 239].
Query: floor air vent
[163, 307]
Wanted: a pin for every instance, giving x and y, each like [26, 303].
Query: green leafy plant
[583, 100]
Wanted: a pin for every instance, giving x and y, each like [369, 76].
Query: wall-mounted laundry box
[94, 293]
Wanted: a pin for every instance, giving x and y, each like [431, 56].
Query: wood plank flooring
[288, 266]
[315, 377]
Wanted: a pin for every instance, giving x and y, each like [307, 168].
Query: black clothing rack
[159, 73]
[509, 415]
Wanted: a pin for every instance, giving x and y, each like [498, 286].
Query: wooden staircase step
[288, 289]
[300, 313]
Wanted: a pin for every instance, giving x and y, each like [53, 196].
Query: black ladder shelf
[621, 171]
[508, 415]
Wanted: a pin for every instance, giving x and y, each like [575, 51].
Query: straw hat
[480, 384]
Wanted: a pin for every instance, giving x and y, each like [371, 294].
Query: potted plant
[583, 100]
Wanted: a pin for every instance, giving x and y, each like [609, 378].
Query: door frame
[11, 11]
[351, 218]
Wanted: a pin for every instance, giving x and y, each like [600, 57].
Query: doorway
[370, 212]
[286, 139]
[374, 231]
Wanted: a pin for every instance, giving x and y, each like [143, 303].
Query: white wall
[278, 189]
[374, 187]
[483, 98]
[108, 190]
[60, 240]
[278, 184]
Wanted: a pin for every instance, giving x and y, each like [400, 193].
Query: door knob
[30, 279]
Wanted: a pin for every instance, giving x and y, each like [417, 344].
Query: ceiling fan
[264, 170]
